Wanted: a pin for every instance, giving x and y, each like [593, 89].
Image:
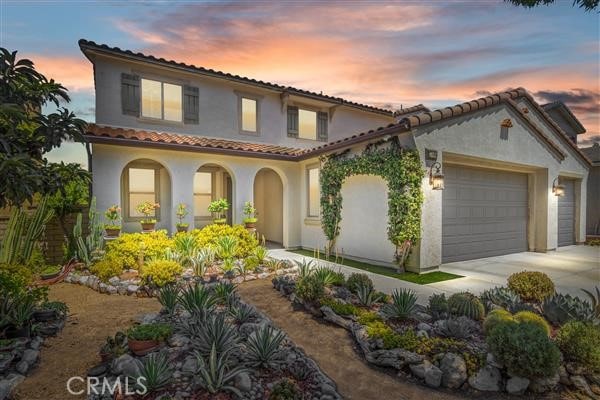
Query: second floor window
[161, 100]
[307, 124]
[249, 115]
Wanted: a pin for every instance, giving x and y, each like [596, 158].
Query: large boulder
[126, 365]
[331, 316]
[428, 372]
[517, 385]
[581, 384]
[8, 384]
[242, 382]
[454, 370]
[543, 385]
[487, 379]
[395, 358]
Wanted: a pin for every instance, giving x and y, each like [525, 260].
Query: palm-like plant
[215, 373]
[305, 267]
[168, 297]
[263, 346]
[402, 305]
[366, 295]
[242, 313]
[227, 247]
[215, 332]
[203, 259]
[260, 254]
[224, 290]
[155, 372]
[197, 299]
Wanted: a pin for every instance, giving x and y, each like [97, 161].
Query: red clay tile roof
[410, 110]
[85, 45]
[111, 135]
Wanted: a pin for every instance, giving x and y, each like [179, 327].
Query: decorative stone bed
[436, 359]
[183, 347]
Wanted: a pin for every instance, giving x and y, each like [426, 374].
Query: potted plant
[181, 213]
[113, 215]
[20, 316]
[250, 213]
[147, 208]
[50, 272]
[50, 310]
[113, 347]
[142, 339]
[218, 209]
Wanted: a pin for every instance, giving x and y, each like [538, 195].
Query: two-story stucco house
[176, 133]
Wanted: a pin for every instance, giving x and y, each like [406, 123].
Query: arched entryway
[268, 201]
[211, 182]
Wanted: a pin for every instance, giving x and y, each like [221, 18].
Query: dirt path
[333, 349]
[93, 316]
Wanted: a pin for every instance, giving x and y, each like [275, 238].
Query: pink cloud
[75, 73]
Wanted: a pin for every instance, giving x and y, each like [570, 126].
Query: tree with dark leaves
[27, 135]
[588, 5]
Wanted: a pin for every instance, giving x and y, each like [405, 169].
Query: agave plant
[242, 313]
[215, 332]
[223, 291]
[215, 373]
[263, 347]
[503, 297]
[366, 295]
[402, 305]
[227, 246]
[458, 328]
[197, 299]
[260, 254]
[187, 247]
[228, 265]
[168, 297]
[328, 276]
[561, 308]
[202, 260]
[305, 268]
[155, 372]
[274, 264]
[595, 300]
[170, 255]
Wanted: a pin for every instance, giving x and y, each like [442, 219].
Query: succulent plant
[155, 372]
[214, 332]
[223, 290]
[402, 305]
[595, 300]
[366, 295]
[115, 347]
[504, 298]
[305, 267]
[457, 328]
[328, 276]
[466, 304]
[263, 346]
[561, 308]
[215, 372]
[197, 299]
[168, 297]
[242, 313]
[438, 306]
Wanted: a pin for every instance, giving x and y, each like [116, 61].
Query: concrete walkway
[571, 268]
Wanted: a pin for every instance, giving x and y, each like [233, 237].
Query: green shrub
[149, 332]
[495, 318]
[466, 304]
[524, 349]
[210, 234]
[133, 248]
[531, 286]
[310, 288]
[19, 271]
[355, 279]
[580, 342]
[391, 340]
[340, 308]
[161, 272]
[530, 317]
[109, 266]
[368, 317]
[285, 389]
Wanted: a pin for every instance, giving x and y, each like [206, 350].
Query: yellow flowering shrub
[210, 234]
[130, 246]
[161, 272]
[21, 271]
[110, 265]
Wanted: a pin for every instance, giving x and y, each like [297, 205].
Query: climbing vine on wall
[402, 170]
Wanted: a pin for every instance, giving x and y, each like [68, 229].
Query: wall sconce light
[436, 179]
[558, 189]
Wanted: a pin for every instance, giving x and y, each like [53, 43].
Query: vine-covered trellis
[402, 170]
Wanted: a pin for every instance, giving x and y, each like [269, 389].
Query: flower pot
[142, 347]
[148, 226]
[182, 228]
[44, 315]
[250, 225]
[112, 232]
[220, 221]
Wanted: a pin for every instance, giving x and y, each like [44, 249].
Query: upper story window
[307, 124]
[249, 115]
[161, 100]
[314, 192]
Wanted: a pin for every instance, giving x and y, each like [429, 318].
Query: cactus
[89, 249]
[23, 232]
[595, 299]
[466, 304]
[561, 308]
[438, 306]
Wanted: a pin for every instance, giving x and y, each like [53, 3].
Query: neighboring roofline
[566, 112]
[87, 45]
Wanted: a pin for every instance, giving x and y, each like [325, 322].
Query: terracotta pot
[182, 228]
[250, 225]
[142, 347]
[112, 232]
[148, 226]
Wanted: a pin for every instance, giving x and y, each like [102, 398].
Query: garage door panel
[484, 213]
[566, 215]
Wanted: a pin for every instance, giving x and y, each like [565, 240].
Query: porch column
[182, 191]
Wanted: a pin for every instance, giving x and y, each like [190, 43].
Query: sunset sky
[383, 53]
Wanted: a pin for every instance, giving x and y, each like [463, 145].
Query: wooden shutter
[191, 105]
[292, 121]
[322, 120]
[130, 94]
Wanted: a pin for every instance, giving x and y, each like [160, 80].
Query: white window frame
[250, 96]
[162, 100]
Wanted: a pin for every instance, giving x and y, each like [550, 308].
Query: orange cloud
[75, 73]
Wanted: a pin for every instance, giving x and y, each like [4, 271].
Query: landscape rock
[125, 365]
[424, 327]
[454, 371]
[574, 369]
[423, 317]
[487, 379]
[190, 365]
[30, 356]
[98, 370]
[581, 384]
[395, 358]
[8, 384]
[517, 385]
[178, 340]
[22, 367]
[131, 289]
[243, 382]
[429, 372]
[331, 316]
[491, 360]
[543, 385]
[564, 376]
[5, 360]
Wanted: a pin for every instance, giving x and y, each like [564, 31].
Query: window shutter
[130, 94]
[322, 119]
[191, 105]
[292, 121]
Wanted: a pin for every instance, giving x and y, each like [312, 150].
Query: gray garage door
[566, 215]
[484, 213]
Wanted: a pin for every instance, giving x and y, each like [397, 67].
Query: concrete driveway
[571, 268]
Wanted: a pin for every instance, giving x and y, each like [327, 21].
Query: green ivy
[402, 170]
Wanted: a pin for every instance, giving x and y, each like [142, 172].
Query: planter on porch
[148, 226]
[112, 231]
[182, 227]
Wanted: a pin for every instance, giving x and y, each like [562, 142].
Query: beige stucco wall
[475, 140]
[219, 107]
[268, 201]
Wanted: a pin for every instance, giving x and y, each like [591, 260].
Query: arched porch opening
[268, 201]
[211, 182]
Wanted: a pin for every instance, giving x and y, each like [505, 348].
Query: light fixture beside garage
[558, 189]
[436, 179]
